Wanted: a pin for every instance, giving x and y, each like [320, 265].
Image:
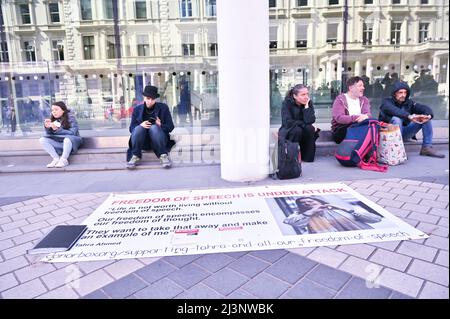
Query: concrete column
[435, 67]
[243, 65]
[446, 81]
[357, 68]
[339, 70]
[329, 69]
[196, 79]
[369, 68]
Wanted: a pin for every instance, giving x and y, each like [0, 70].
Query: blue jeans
[154, 134]
[412, 128]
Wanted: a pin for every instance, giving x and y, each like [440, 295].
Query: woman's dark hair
[302, 208]
[65, 117]
[295, 89]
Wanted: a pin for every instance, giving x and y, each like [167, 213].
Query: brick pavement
[407, 269]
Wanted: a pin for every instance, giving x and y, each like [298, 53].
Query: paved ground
[416, 192]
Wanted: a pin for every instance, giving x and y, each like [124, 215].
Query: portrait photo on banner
[301, 215]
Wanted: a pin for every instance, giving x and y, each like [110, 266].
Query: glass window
[395, 32]
[53, 8]
[212, 44]
[187, 45]
[86, 9]
[423, 32]
[109, 11]
[332, 32]
[331, 2]
[186, 8]
[302, 3]
[273, 43]
[395, 1]
[142, 45]
[1, 17]
[368, 1]
[141, 9]
[89, 47]
[367, 34]
[423, 1]
[4, 56]
[30, 51]
[58, 50]
[272, 3]
[211, 8]
[111, 46]
[302, 41]
[25, 13]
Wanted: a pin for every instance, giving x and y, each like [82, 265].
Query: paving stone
[5, 244]
[162, 289]
[360, 268]
[401, 191]
[359, 250]
[240, 294]
[237, 254]
[214, 262]
[432, 229]
[328, 277]
[388, 245]
[7, 281]
[249, 265]
[45, 209]
[33, 271]
[17, 250]
[266, 287]
[62, 204]
[90, 266]
[429, 196]
[188, 276]
[302, 251]
[390, 202]
[442, 258]
[408, 199]
[225, 281]
[291, 268]
[29, 207]
[438, 242]
[416, 208]
[155, 271]
[38, 218]
[444, 222]
[417, 251]
[124, 287]
[399, 212]
[27, 290]
[357, 288]
[328, 256]
[307, 289]
[390, 259]
[180, 261]
[63, 292]
[200, 291]
[434, 291]
[397, 295]
[417, 188]
[98, 294]
[87, 284]
[123, 267]
[410, 182]
[36, 226]
[429, 271]
[434, 204]
[401, 282]
[15, 224]
[384, 195]
[439, 212]
[269, 255]
[62, 276]
[16, 217]
[12, 206]
[13, 264]
[10, 234]
[443, 198]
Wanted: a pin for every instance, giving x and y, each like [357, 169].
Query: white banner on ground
[238, 219]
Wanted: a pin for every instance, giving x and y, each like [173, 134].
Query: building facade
[97, 55]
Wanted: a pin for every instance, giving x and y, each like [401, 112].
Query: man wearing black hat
[150, 126]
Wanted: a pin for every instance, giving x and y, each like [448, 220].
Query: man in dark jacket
[150, 126]
[412, 117]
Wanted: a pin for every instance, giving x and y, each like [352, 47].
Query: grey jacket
[71, 133]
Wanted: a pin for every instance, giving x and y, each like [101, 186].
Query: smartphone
[152, 120]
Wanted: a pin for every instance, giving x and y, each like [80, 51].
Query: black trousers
[339, 133]
[306, 138]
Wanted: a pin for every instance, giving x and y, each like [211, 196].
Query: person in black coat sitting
[150, 126]
[297, 118]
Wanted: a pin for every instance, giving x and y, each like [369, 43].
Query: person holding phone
[151, 123]
[411, 116]
[62, 137]
[297, 118]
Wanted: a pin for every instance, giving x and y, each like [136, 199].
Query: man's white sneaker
[53, 163]
[133, 162]
[165, 161]
[62, 163]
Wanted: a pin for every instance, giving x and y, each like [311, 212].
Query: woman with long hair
[318, 216]
[297, 118]
[62, 137]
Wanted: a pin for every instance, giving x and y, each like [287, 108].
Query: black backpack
[289, 161]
